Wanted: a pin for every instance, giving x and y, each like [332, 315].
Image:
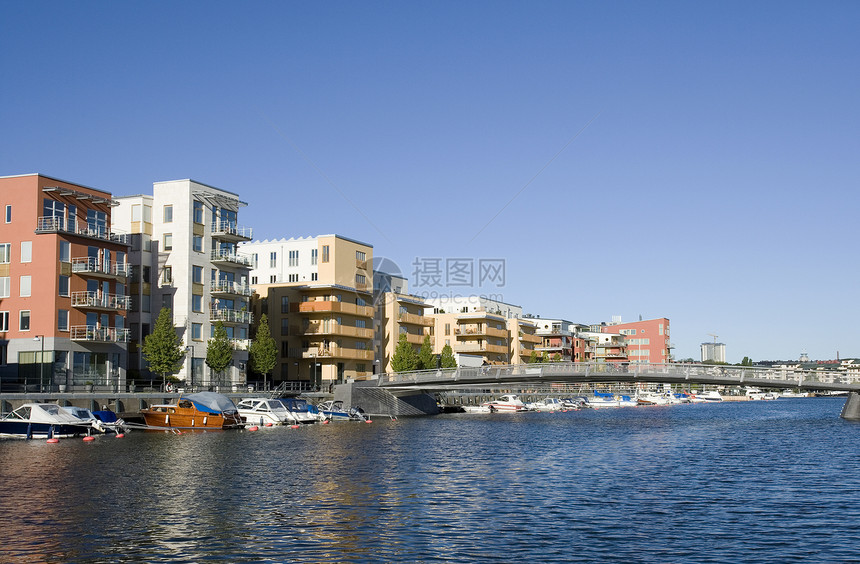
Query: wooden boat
[203, 410]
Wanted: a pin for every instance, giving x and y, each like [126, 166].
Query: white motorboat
[43, 420]
[507, 402]
[263, 412]
[602, 400]
[547, 404]
[104, 421]
[711, 396]
[300, 411]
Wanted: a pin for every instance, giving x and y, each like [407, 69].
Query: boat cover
[210, 402]
[603, 395]
[106, 416]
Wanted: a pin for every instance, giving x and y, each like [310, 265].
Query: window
[24, 320]
[146, 303]
[97, 222]
[26, 251]
[314, 276]
[5, 253]
[62, 320]
[135, 212]
[274, 278]
[360, 279]
[197, 331]
[360, 301]
[253, 279]
[273, 259]
[285, 304]
[198, 212]
[4, 321]
[293, 278]
[167, 278]
[360, 255]
[285, 348]
[196, 303]
[314, 253]
[325, 253]
[168, 214]
[294, 258]
[168, 241]
[197, 274]
[5, 286]
[197, 243]
[447, 329]
[285, 326]
[8, 214]
[64, 285]
[65, 251]
[26, 282]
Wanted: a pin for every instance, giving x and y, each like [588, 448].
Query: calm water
[732, 482]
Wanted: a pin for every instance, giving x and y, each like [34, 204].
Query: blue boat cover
[210, 402]
[107, 416]
[603, 395]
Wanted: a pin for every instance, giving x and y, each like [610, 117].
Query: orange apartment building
[63, 298]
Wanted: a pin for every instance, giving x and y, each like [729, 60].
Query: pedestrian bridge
[575, 372]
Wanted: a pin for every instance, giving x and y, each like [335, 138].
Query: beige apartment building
[401, 314]
[318, 295]
[523, 340]
[478, 333]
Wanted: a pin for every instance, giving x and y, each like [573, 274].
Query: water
[732, 482]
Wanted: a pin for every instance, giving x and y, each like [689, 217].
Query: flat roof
[58, 180]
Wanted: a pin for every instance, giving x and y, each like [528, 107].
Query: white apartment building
[184, 257]
[283, 261]
[472, 304]
[713, 351]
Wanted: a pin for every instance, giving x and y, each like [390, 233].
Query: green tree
[533, 358]
[544, 357]
[404, 358]
[219, 351]
[426, 358]
[263, 353]
[162, 348]
[447, 358]
[556, 357]
[747, 361]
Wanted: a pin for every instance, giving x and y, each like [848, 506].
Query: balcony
[362, 264]
[240, 344]
[335, 352]
[229, 288]
[481, 330]
[96, 334]
[415, 319]
[232, 316]
[232, 259]
[527, 338]
[414, 339]
[49, 224]
[229, 231]
[321, 306]
[92, 266]
[333, 329]
[475, 347]
[99, 301]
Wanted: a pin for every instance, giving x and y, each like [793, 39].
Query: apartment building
[185, 258]
[713, 352]
[477, 333]
[523, 340]
[647, 341]
[317, 293]
[558, 339]
[63, 299]
[472, 303]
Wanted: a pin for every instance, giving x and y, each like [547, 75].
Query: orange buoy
[294, 426]
[325, 422]
[368, 421]
[119, 435]
[268, 424]
[53, 440]
[89, 438]
[254, 428]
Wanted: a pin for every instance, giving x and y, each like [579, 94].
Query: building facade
[646, 341]
[63, 274]
[185, 258]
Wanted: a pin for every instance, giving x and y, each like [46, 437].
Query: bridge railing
[591, 370]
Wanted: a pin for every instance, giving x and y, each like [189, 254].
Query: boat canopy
[210, 402]
[603, 395]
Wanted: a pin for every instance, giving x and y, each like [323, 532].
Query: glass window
[26, 286]
[135, 212]
[168, 275]
[196, 303]
[325, 253]
[5, 253]
[168, 214]
[65, 251]
[62, 320]
[8, 214]
[197, 243]
[314, 253]
[5, 286]
[64, 285]
[197, 274]
[24, 320]
[360, 255]
[285, 304]
[273, 259]
[198, 212]
[285, 326]
[4, 321]
[168, 241]
[197, 331]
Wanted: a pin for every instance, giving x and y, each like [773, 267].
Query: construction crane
[714, 336]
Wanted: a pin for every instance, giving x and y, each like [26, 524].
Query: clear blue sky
[716, 186]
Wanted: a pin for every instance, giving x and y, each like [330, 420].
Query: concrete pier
[851, 409]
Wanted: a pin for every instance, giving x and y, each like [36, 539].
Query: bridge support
[378, 402]
[851, 409]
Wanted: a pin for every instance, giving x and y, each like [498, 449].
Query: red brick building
[647, 341]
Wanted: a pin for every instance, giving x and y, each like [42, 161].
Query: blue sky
[714, 183]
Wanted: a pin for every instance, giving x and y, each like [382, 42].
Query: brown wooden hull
[174, 417]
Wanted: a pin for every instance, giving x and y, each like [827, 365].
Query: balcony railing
[229, 230]
[92, 265]
[483, 330]
[49, 224]
[333, 351]
[94, 333]
[97, 300]
[231, 316]
[416, 319]
[234, 258]
[332, 329]
[476, 347]
[330, 306]
[228, 287]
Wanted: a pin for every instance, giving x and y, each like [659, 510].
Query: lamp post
[314, 373]
[41, 339]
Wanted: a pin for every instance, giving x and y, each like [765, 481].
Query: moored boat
[333, 410]
[602, 400]
[203, 410]
[300, 411]
[507, 402]
[263, 411]
[42, 420]
[103, 421]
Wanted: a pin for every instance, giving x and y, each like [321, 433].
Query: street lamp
[41, 339]
[314, 373]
